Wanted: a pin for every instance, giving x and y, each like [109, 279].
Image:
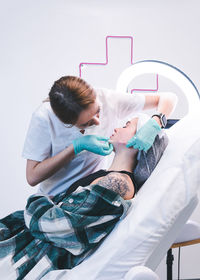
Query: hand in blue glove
[93, 143]
[144, 138]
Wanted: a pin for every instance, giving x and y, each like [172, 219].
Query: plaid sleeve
[79, 221]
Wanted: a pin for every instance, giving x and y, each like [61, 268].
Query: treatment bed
[161, 208]
[158, 213]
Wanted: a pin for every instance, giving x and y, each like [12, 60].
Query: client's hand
[93, 143]
[144, 138]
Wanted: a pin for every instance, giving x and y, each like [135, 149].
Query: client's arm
[117, 182]
[125, 159]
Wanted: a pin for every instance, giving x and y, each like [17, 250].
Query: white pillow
[169, 189]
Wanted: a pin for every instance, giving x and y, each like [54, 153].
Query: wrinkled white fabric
[170, 188]
[141, 273]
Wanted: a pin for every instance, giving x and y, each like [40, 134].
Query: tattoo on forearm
[116, 182]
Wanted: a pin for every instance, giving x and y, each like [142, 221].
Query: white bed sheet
[170, 188]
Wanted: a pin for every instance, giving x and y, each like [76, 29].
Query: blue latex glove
[144, 138]
[93, 143]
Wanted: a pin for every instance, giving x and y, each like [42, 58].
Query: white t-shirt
[47, 136]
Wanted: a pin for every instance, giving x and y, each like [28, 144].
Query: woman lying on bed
[130, 167]
[60, 233]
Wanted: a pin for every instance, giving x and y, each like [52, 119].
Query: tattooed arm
[117, 182]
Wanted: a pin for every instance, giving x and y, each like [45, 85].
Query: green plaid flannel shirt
[59, 233]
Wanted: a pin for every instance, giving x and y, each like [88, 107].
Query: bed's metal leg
[169, 261]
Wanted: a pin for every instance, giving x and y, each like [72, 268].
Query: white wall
[42, 40]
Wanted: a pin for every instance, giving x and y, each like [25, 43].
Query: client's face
[123, 134]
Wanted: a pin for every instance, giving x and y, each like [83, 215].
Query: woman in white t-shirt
[64, 141]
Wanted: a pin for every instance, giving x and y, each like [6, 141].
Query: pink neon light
[105, 63]
[141, 89]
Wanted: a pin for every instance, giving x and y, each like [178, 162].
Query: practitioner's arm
[37, 172]
[164, 103]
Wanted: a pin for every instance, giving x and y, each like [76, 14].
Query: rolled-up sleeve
[124, 104]
[129, 104]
